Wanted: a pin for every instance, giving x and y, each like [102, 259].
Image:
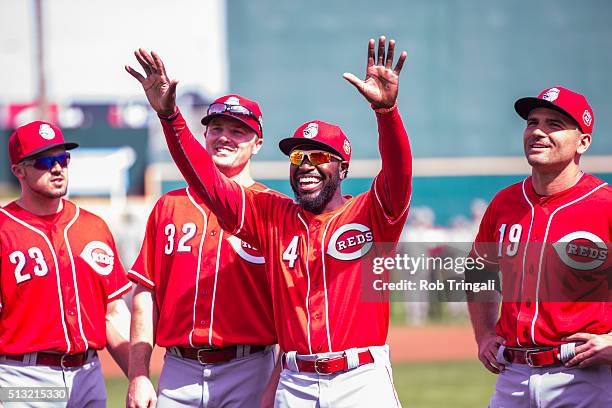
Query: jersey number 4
[291, 253]
[189, 230]
[19, 258]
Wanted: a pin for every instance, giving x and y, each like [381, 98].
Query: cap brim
[525, 105]
[67, 146]
[206, 120]
[290, 143]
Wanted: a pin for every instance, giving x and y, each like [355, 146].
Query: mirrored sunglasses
[47, 162]
[315, 157]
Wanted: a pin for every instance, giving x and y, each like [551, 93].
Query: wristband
[172, 116]
[385, 110]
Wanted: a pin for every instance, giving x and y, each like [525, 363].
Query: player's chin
[311, 202]
[537, 159]
[223, 160]
[56, 192]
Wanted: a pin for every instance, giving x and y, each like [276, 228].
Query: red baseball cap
[35, 137]
[319, 135]
[562, 100]
[238, 107]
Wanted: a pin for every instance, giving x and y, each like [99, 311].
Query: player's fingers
[145, 55]
[143, 63]
[134, 73]
[582, 356]
[381, 50]
[158, 63]
[358, 83]
[400, 62]
[173, 85]
[371, 43]
[579, 337]
[582, 348]
[390, 51]
[490, 366]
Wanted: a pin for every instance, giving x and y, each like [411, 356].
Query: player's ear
[257, 146]
[18, 171]
[584, 141]
[344, 165]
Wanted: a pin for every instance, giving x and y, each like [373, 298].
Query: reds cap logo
[232, 100]
[46, 132]
[99, 256]
[587, 118]
[582, 250]
[311, 131]
[346, 146]
[246, 251]
[350, 241]
[551, 95]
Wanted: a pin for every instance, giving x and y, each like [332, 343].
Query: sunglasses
[48, 162]
[216, 108]
[315, 157]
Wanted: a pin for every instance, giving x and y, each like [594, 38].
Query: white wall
[87, 43]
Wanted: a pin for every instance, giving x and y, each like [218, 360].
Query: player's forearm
[483, 315]
[118, 332]
[142, 333]
[395, 178]
[195, 164]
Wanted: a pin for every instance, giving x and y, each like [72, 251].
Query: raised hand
[160, 90]
[382, 81]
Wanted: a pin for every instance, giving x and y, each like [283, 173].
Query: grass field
[419, 385]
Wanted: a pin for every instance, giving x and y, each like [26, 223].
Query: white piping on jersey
[214, 295]
[112, 295]
[389, 219]
[518, 341]
[542, 251]
[242, 214]
[76, 286]
[483, 258]
[195, 296]
[133, 272]
[308, 289]
[59, 290]
[325, 280]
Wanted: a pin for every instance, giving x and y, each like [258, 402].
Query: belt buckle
[203, 349]
[321, 360]
[62, 363]
[529, 360]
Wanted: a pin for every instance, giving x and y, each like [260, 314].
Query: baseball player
[201, 292]
[549, 237]
[61, 280]
[333, 341]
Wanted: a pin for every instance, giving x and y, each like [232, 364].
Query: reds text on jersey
[313, 262]
[553, 254]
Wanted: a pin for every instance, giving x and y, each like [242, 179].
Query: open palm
[160, 90]
[381, 82]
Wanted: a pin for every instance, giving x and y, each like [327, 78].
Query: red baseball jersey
[210, 286]
[314, 262]
[58, 273]
[553, 254]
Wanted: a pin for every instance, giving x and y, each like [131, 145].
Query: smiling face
[231, 144]
[315, 186]
[552, 140]
[48, 184]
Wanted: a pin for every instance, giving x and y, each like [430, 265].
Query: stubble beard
[317, 203]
